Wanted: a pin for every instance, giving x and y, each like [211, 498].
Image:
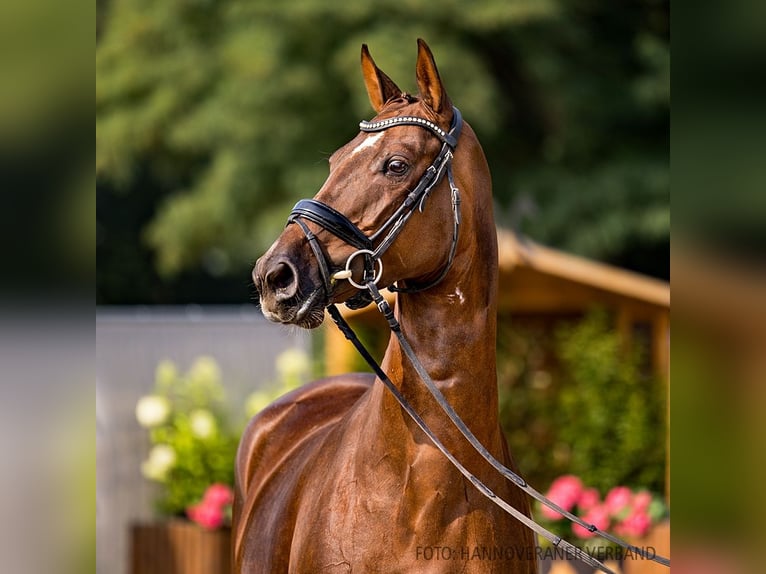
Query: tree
[213, 118]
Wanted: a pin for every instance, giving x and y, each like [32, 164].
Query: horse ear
[380, 88]
[429, 83]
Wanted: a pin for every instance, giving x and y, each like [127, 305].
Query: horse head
[352, 231]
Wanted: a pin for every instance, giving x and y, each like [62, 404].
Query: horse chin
[313, 319]
[307, 313]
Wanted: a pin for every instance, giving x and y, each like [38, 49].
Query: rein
[345, 328]
[340, 226]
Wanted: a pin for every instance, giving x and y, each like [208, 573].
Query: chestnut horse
[335, 476]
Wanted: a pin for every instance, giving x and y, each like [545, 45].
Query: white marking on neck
[457, 296]
[368, 141]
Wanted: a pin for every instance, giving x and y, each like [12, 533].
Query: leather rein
[371, 249]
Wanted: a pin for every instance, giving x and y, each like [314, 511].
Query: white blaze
[369, 141]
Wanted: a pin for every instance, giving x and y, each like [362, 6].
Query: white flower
[203, 424]
[161, 459]
[152, 410]
[205, 371]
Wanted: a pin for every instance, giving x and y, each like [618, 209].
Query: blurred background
[214, 117]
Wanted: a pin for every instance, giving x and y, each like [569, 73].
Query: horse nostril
[282, 279]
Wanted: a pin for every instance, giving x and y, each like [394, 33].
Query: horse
[335, 476]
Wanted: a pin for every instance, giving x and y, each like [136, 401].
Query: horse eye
[396, 167]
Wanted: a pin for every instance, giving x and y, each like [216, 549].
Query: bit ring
[378, 274]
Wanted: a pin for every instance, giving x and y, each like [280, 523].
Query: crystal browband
[411, 121]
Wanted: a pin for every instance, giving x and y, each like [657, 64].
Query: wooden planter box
[562, 565]
[659, 539]
[179, 547]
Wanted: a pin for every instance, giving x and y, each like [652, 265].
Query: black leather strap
[324, 270]
[332, 220]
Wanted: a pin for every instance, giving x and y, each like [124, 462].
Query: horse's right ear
[380, 88]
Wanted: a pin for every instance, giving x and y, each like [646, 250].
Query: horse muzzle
[287, 293]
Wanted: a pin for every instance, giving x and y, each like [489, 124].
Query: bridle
[371, 249]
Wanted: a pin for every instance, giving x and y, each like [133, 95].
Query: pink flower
[636, 525]
[588, 499]
[549, 513]
[642, 500]
[598, 516]
[206, 515]
[218, 495]
[211, 512]
[617, 499]
[564, 491]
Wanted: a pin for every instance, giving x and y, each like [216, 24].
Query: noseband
[372, 248]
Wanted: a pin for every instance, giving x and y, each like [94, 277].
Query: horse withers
[335, 476]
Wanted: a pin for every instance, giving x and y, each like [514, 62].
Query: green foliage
[193, 437]
[611, 414]
[528, 388]
[609, 218]
[215, 117]
[573, 401]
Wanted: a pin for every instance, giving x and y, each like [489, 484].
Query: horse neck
[452, 326]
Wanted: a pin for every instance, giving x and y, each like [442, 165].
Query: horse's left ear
[429, 83]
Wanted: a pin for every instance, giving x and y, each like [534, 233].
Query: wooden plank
[179, 547]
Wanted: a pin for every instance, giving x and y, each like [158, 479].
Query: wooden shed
[539, 281]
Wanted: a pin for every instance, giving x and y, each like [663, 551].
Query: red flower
[211, 512]
[206, 515]
[565, 491]
[617, 499]
[218, 494]
[598, 516]
[642, 500]
[635, 525]
[588, 499]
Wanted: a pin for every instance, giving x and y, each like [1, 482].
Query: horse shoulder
[277, 431]
[277, 446]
